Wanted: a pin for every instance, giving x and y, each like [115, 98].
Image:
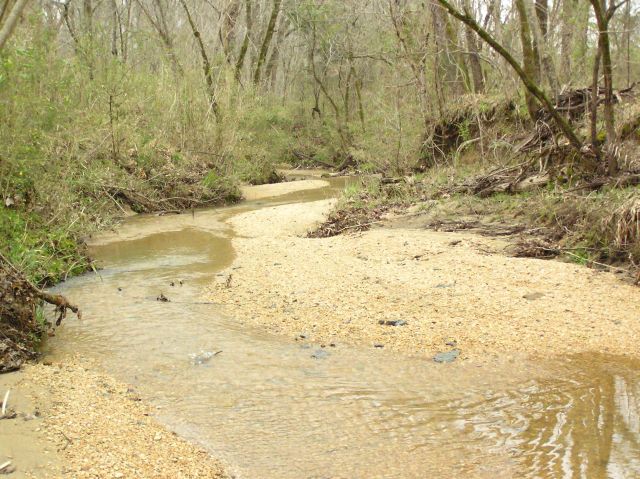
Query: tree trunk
[271, 69]
[603, 16]
[206, 65]
[474, 61]
[266, 41]
[445, 65]
[227, 30]
[529, 60]
[542, 40]
[245, 42]
[10, 20]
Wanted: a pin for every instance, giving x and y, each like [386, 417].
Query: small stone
[532, 296]
[157, 437]
[447, 357]
[320, 354]
[395, 322]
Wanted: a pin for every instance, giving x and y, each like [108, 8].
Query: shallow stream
[274, 407]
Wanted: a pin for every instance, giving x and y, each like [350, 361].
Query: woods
[372, 63]
[113, 106]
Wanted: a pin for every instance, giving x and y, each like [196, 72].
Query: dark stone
[395, 322]
[162, 298]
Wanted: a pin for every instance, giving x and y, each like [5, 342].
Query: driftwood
[510, 179]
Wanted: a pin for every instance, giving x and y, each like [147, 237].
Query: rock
[447, 357]
[7, 468]
[394, 322]
[202, 357]
[162, 298]
[532, 296]
[157, 437]
[320, 354]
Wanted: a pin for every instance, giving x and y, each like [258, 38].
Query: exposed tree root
[19, 328]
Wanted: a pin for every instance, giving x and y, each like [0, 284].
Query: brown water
[272, 407]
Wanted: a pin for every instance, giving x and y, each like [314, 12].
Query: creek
[275, 407]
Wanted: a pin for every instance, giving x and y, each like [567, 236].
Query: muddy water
[273, 407]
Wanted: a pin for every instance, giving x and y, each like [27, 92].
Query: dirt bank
[74, 422]
[445, 286]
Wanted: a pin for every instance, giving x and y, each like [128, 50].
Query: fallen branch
[60, 302]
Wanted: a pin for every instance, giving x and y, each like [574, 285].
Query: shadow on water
[276, 408]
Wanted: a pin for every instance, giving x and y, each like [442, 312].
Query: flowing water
[272, 407]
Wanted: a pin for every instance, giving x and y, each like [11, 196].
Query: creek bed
[275, 407]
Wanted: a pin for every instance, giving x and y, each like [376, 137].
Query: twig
[69, 441]
[4, 466]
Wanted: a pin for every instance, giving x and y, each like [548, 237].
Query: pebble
[447, 357]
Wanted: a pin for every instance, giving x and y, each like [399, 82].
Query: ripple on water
[273, 411]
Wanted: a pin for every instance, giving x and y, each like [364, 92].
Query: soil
[445, 286]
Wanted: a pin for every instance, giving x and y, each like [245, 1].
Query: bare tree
[206, 64]
[158, 20]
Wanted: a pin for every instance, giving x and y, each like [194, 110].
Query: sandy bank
[446, 286]
[73, 422]
[278, 189]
